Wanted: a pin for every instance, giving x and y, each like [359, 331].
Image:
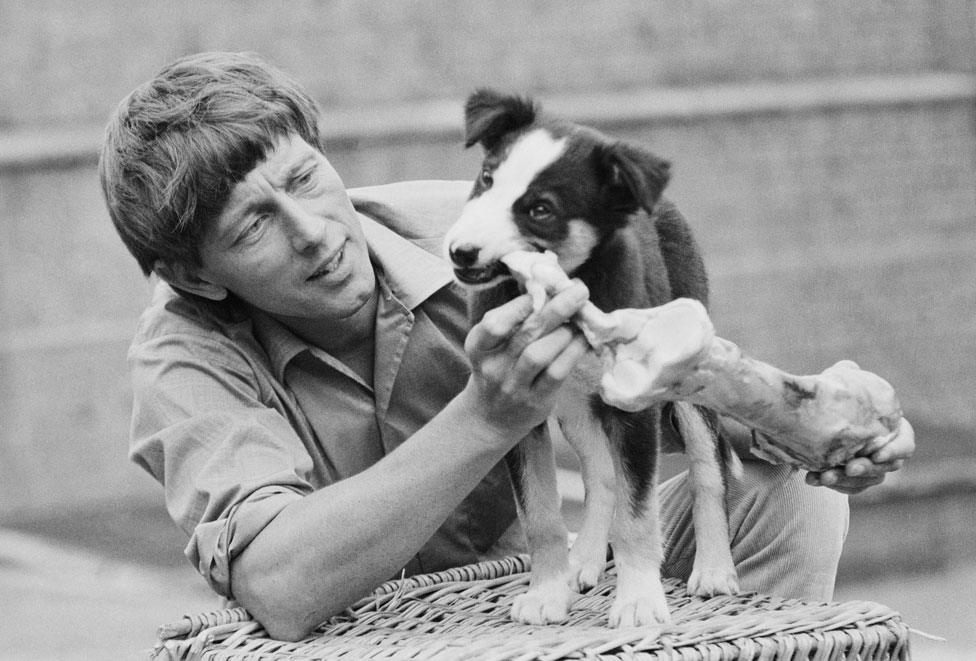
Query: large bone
[670, 353]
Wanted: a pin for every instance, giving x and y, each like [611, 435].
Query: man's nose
[306, 228]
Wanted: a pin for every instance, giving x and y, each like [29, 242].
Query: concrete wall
[825, 153]
[66, 62]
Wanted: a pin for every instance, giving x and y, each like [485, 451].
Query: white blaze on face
[486, 221]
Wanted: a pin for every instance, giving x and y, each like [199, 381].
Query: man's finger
[556, 312]
[859, 467]
[900, 447]
[539, 355]
[497, 326]
[561, 366]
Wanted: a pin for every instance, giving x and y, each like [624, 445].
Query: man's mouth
[329, 266]
[481, 275]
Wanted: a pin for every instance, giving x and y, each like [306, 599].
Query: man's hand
[888, 454]
[520, 358]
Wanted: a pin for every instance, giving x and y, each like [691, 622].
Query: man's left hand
[863, 472]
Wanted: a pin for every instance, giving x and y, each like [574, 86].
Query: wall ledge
[442, 119]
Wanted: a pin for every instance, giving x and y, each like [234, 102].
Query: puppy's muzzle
[469, 272]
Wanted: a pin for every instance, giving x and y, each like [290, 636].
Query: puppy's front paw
[545, 604]
[638, 613]
[633, 608]
[712, 581]
[585, 568]
[585, 577]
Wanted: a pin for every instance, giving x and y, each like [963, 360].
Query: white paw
[544, 604]
[712, 581]
[638, 612]
[585, 572]
[639, 609]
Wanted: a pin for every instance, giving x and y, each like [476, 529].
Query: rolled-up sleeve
[229, 461]
[214, 544]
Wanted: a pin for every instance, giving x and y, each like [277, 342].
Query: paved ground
[63, 603]
[939, 604]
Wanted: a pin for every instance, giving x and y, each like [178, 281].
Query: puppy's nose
[464, 256]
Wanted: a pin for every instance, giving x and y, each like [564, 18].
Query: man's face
[289, 241]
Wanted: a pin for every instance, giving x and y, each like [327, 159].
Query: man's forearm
[329, 548]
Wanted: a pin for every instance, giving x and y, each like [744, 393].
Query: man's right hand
[520, 358]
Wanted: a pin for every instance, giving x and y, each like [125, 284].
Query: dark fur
[645, 254]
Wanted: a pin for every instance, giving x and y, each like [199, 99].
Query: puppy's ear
[635, 177]
[489, 115]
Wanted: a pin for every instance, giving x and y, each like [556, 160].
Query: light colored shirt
[237, 417]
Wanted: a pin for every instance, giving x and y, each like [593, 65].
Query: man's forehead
[287, 158]
[288, 153]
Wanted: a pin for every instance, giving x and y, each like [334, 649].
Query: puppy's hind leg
[533, 469]
[713, 572]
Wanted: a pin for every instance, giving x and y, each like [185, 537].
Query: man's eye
[254, 229]
[486, 179]
[540, 211]
[305, 178]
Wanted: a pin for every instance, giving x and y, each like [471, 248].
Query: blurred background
[824, 152]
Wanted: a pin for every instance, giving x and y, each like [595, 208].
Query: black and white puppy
[547, 184]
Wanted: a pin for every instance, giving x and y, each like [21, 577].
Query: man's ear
[184, 277]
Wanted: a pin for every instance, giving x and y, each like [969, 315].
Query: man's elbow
[286, 612]
[284, 628]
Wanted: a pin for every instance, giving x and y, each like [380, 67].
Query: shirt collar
[412, 273]
[407, 271]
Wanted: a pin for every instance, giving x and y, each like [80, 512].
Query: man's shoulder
[422, 209]
[178, 320]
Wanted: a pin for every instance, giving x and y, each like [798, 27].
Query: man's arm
[331, 547]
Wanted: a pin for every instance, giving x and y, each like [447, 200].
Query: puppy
[552, 185]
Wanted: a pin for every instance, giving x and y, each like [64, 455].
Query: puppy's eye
[540, 211]
[486, 179]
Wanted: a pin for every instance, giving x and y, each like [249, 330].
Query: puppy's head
[544, 184]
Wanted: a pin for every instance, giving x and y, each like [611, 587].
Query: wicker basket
[463, 614]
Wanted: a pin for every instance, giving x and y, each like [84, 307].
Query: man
[307, 388]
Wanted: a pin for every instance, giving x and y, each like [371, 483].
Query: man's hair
[178, 144]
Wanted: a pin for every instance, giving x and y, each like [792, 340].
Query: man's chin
[364, 304]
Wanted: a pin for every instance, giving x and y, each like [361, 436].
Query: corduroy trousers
[786, 536]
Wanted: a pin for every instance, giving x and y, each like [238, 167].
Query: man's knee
[787, 536]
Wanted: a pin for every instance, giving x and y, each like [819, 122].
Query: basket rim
[428, 613]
